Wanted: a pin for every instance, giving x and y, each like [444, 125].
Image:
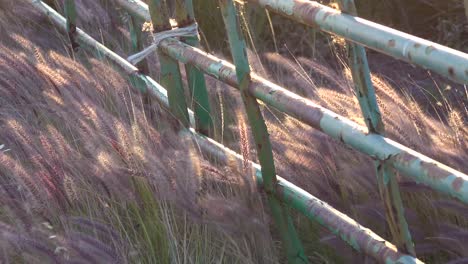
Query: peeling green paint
[365, 93]
[338, 127]
[170, 71]
[294, 249]
[356, 235]
[196, 80]
[443, 60]
[215, 68]
[136, 38]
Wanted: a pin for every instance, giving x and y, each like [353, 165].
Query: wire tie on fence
[188, 31]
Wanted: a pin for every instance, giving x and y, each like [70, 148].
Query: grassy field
[93, 172]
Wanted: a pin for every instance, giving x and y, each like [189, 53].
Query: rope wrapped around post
[188, 31]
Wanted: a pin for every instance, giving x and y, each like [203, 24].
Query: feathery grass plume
[289, 73]
[458, 125]
[92, 249]
[26, 246]
[244, 143]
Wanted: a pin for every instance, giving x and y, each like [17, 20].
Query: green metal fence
[390, 156]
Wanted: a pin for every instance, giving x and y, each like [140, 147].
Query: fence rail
[443, 60]
[281, 194]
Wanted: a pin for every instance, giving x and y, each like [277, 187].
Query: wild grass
[93, 172]
[95, 175]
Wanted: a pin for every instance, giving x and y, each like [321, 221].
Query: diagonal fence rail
[443, 60]
[394, 156]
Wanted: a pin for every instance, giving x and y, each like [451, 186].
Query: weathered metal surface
[369, 243]
[418, 167]
[363, 87]
[137, 42]
[390, 195]
[394, 210]
[184, 13]
[170, 72]
[365, 93]
[294, 250]
[70, 14]
[360, 238]
[195, 79]
[443, 60]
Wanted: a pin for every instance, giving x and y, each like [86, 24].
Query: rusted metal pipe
[418, 167]
[443, 60]
[357, 236]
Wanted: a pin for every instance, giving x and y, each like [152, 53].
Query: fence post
[170, 72]
[70, 15]
[294, 249]
[136, 35]
[136, 38]
[185, 16]
[386, 177]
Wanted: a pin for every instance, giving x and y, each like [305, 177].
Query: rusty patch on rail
[360, 238]
[307, 11]
[228, 74]
[434, 171]
[326, 16]
[404, 158]
[457, 184]
[429, 50]
[410, 58]
[451, 72]
[391, 43]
